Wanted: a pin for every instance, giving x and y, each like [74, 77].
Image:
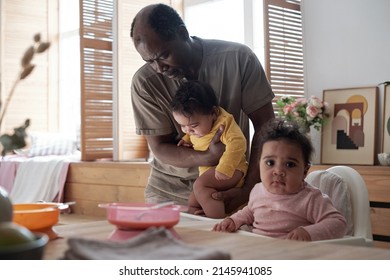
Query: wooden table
[239, 245]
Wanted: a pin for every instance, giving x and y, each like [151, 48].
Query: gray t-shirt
[239, 81]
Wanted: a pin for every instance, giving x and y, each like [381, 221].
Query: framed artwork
[349, 136]
[386, 121]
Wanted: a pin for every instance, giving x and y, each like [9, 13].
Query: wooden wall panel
[380, 219]
[91, 183]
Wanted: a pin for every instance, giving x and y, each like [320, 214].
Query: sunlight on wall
[231, 20]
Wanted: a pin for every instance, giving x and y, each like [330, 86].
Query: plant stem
[7, 101]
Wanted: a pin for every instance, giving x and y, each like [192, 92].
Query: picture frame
[349, 137]
[386, 120]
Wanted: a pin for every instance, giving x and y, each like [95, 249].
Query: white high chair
[348, 192]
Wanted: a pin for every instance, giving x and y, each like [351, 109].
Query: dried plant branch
[26, 68]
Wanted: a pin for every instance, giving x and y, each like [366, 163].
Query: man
[172, 57]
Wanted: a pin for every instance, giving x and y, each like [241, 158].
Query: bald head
[162, 19]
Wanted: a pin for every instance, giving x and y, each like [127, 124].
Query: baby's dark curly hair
[280, 129]
[194, 97]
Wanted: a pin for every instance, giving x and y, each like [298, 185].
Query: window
[238, 21]
[200, 19]
[108, 61]
[69, 68]
[284, 47]
[97, 79]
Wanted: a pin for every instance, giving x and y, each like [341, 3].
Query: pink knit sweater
[276, 215]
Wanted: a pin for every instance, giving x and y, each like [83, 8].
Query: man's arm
[165, 149]
[236, 197]
[258, 118]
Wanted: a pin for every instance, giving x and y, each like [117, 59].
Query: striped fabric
[43, 144]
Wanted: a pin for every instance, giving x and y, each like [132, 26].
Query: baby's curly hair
[194, 97]
[280, 129]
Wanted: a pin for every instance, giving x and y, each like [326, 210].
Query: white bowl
[384, 159]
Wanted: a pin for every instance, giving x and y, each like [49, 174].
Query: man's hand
[234, 198]
[183, 143]
[216, 148]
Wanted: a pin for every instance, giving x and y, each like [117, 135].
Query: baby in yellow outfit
[195, 108]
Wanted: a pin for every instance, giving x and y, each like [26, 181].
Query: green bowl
[32, 250]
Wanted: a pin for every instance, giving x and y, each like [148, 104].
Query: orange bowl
[38, 217]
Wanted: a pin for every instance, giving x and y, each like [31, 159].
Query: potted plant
[312, 112]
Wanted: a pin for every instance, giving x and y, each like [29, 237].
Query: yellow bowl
[38, 217]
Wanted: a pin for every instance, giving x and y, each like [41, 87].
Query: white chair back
[347, 190]
[359, 197]
[336, 188]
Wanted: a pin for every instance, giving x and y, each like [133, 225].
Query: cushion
[335, 187]
[45, 143]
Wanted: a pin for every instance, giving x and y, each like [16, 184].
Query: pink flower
[316, 102]
[312, 111]
[287, 109]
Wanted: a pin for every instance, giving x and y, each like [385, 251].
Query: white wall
[346, 45]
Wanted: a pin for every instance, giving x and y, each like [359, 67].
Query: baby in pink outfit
[283, 205]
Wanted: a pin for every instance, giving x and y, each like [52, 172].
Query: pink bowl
[128, 216]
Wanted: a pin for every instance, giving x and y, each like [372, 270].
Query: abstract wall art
[349, 137]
